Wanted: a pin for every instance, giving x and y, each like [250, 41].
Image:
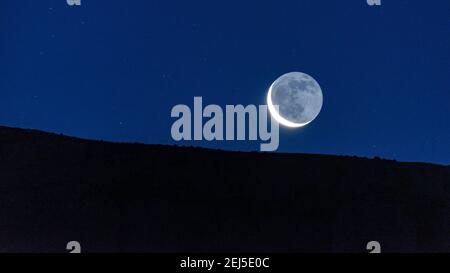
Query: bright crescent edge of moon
[276, 115]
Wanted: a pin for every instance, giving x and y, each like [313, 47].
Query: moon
[299, 99]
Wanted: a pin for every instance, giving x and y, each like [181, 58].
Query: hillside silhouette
[119, 197]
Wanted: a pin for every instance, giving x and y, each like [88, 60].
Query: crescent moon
[274, 112]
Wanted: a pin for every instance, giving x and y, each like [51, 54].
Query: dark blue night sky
[113, 70]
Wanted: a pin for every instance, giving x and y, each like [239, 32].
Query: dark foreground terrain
[149, 198]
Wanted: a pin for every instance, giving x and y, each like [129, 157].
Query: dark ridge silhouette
[115, 197]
